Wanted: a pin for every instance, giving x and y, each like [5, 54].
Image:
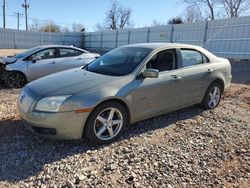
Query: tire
[15, 80]
[212, 97]
[102, 127]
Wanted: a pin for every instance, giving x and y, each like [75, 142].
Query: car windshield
[119, 62]
[27, 52]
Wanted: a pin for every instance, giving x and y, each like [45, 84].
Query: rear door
[69, 58]
[196, 76]
[42, 67]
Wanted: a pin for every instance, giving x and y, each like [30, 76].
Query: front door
[44, 64]
[155, 95]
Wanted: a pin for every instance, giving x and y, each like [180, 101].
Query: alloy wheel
[108, 124]
[214, 97]
[15, 80]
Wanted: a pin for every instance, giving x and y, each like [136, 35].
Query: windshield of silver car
[119, 62]
[27, 52]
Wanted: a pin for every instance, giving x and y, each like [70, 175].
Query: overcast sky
[89, 12]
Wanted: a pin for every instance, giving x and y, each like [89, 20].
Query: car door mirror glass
[150, 73]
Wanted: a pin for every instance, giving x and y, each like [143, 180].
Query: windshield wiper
[85, 67]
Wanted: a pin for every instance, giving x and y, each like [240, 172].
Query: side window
[163, 61]
[45, 54]
[192, 57]
[67, 52]
[205, 59]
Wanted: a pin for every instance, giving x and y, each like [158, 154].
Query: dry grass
[9, 52]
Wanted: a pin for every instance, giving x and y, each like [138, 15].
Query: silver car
[40, 61]
[126, 85]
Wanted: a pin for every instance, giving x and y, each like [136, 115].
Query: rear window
[67, 52]
[192, 57]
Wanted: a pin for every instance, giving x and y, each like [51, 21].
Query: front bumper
[67, 125]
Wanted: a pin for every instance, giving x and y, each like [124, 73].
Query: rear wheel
[15, 80]
[106, 123]
[212, 96]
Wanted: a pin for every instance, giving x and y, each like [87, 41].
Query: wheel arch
[20, 72]
[120, 101]
[219, 81]
[7, 80]
[117, 100]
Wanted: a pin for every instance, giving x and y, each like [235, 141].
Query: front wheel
[212, 96]
[106, 123]
[15, 80]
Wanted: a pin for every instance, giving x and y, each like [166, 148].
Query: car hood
[70, 82]
[8, 60]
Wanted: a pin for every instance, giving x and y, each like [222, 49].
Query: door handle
[79, 58]
[53, 62]
[176, 77]
[210, 70]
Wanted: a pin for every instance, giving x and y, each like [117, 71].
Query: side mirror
[36, 58]
[150, 73]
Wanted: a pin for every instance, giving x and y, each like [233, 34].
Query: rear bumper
[65, 125]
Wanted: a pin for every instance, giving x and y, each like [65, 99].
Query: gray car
[40, 61]
[126, 85]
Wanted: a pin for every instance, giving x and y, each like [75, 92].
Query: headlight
[51, 104]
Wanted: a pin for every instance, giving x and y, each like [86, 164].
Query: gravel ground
[187, 148]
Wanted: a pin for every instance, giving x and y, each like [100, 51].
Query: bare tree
[65, 29]
[157, 23]
[118, 16]
[77, 27]
[210, 4]
[47, 26]
[35, 26]
[50, 27]
[234, 8]
[100, 27]
[193, 15]
[125, 14]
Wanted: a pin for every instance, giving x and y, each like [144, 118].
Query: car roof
[157, 46]
[162, 45]
[60, 46]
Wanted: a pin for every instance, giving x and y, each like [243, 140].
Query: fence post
[205, 34]
[15, 39]
[63, 42]
[148, 35]
[89, 39]
[83, 40]
[50, 38]
[116, 38]
[129, 33]
[101, 39]
[172, 33]
[41, 38]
